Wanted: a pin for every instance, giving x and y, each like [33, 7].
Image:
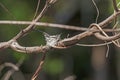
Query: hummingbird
[51, 40]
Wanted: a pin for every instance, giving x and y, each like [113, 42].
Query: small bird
[51, 40]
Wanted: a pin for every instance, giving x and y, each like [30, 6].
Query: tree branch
[36, 49]
[75, 39]
[39, 67]
[53, 25]
[72, 40]
[115, 5]
[104, 38]
[9, 73]
[31, 26]
[59, 44]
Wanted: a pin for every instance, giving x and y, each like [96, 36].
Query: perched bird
[51, 40]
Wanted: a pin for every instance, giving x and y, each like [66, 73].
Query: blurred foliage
[54, 66]
[75, 60]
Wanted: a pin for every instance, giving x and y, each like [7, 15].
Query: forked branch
[59, 43]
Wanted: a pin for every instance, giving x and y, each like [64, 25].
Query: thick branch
[75, 39]
[36, 49]
[62, 43]
[4, 45]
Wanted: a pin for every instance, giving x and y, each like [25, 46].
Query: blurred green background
[75, 63]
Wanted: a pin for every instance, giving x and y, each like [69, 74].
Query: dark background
[75, 63]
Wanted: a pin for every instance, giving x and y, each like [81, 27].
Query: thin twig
[71, 40]
[107, 52]
[114, 33]
[115, 5]
[44, 24]
[62, 43]
[53, 25]
[6, 9]
[104, 35]
[31, 26]
[94, 45]
[75, 39]
[39, 67]
[102, 32]
[36, 11]
[98, 13]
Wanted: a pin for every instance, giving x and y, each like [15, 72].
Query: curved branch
[62, 43]
[36, 49]
[104, 38]
[4, 45]
[8, 65]
[15, 67]
[75, 39]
